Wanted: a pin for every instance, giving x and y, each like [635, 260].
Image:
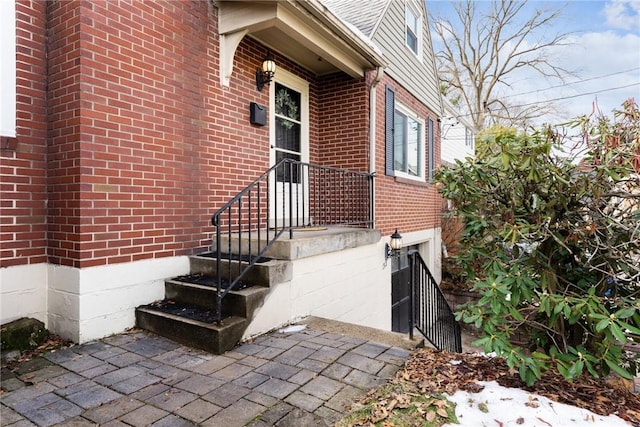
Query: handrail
[430, 313]
[289, 195]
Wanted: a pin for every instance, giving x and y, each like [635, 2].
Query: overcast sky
[605, 55]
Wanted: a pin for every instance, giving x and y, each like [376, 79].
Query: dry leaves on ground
[436, 372]
[53, 343]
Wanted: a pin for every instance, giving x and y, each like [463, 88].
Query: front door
[289, 125]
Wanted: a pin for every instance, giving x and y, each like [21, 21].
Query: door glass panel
[288, 125]
[289, 172]
[287, 102]
[287, 135]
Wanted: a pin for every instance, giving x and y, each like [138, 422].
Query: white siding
[8, 68]
[23, 292]
[85, 304]
[417, 75]
[453, 132]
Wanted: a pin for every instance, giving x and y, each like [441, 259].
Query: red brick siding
[142, 142]
[344, 123]
[23, 165]
[401, 203]
[161, 143]
[65, 124]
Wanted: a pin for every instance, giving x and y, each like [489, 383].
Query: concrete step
[240, 303]
[264, 273]
[193, 333]
[238, 306]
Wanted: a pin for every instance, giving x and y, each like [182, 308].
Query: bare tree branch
[481, 50]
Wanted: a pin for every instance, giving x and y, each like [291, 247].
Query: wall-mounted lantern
[392, 248]
[266, 73]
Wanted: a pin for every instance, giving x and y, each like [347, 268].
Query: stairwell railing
[430, 313]
[290, 195]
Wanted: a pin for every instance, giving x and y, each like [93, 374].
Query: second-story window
[413, 24]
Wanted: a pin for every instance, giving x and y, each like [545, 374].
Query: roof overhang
[305, 32]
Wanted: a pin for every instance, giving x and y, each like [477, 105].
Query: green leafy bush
[552, 245]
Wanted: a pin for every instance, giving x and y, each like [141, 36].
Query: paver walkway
[305, 378]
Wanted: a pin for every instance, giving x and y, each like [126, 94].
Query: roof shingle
[362, 14]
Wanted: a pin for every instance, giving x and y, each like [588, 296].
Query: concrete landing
[303, 243]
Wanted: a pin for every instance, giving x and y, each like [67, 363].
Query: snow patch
[501, 406]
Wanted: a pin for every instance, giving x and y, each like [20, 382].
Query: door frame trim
[300, 85]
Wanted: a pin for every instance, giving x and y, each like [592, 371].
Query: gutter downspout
[372, 133]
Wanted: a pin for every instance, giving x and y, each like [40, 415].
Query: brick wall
[64, 130]
[401, 203]
[131, 143]
[23, 159]
[344, 135]
[142, 143]
[344, 122]
[145, 144]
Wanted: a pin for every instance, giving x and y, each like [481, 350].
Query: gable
[416, 73]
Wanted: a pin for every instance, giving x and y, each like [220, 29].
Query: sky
[604, 55]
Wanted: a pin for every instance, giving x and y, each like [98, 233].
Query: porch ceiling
[306, 32]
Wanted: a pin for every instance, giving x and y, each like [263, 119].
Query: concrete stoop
[203, 335]
[238, 306]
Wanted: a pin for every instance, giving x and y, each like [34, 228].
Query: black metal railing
[288, 196]
[430, 312]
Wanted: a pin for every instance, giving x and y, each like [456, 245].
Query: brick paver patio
[283, 379]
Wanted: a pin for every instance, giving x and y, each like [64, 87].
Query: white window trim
[8, 68]
[417, 11]
[412, 114]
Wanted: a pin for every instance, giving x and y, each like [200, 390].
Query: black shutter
[389, 111]
[432, 151]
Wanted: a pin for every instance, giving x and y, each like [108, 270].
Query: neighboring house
[457, 135]
[458, 143]
[132, 122]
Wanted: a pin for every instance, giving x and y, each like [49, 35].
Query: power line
[572, 83]
[581, 94]
[560, 98]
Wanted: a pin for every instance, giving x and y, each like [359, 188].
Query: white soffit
[294, 30]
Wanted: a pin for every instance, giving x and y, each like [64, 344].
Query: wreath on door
[286, 106]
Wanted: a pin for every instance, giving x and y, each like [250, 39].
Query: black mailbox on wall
[257, 114]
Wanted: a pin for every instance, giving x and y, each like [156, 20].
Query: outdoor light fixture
[392, 248]
[266, 73]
